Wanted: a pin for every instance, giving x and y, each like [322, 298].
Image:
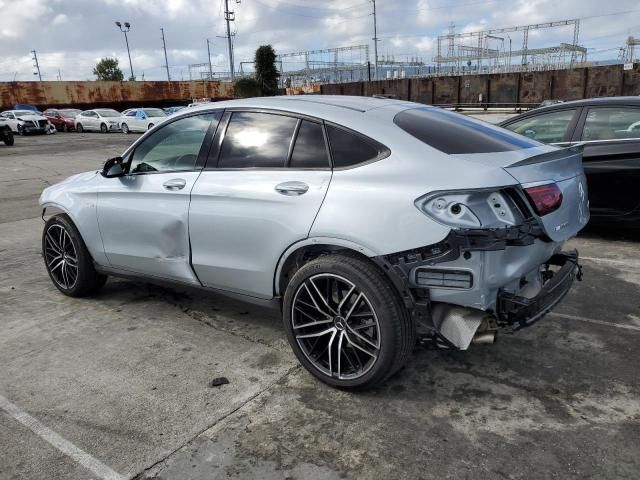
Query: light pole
[127, 27]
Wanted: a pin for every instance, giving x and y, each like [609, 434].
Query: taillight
[546, 198]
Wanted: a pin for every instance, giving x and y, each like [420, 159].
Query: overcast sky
[71, 35]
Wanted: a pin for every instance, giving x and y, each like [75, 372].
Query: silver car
[372, 223]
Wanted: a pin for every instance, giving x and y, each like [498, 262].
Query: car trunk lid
[533, 167]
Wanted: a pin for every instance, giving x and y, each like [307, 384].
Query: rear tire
[346, 323]
[67, 259]
[79, 128]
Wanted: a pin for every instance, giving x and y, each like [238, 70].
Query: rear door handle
[174, 184]
[292, 188]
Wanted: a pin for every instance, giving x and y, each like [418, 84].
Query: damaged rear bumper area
[466, 288]
[516, 312]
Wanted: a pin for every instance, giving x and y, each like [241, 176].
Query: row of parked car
[24, 120]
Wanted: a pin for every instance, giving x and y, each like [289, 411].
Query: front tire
[125, 128]
[20, 130]
[103, 128]
[79, 128]
[9, 140]
[67, 259]
[346, 323]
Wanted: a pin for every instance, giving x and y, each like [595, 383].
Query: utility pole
[166, 62]
[229, 17]
[59, 75]
[375, 41]
[36, 64]
[209, 56]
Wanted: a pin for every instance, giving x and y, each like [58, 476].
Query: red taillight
[546, 198]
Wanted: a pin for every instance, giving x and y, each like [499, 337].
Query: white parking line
[623, 263]
[80, 456]
[597, 322]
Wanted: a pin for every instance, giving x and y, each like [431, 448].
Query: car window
[259, 140]
[131, 113]
[348, 149]
[309, 150]
[612, 123]
[174, 147]
[547, 127]
[454, 134]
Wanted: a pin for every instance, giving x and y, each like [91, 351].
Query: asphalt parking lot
[117, 386]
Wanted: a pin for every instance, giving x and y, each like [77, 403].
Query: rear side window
[349, 149]
[453, 133]
[309, 150]
[612, 123]
[259, 140]
[547, 127]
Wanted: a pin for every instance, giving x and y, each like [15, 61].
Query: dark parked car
[609, 129]
[6, 135]
[62, 119]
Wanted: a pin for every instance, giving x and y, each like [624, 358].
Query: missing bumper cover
[516, 312]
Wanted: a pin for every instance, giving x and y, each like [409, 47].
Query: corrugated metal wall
[117, 95]
[507, 88]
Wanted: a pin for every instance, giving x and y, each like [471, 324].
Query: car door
[611, 158]
[265, 180]
[11, 121]
[143, 215]
[128, 117]
[555, 127]
[89, 121]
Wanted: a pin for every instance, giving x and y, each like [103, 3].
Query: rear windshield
[453, 133]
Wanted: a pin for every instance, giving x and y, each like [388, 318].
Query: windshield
[70, 113]
[19, 113]
[154, 112]
[108, 113]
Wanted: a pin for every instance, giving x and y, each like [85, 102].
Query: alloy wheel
[335, 326]
[61, 257]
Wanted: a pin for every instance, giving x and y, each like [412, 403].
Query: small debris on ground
[216, 382]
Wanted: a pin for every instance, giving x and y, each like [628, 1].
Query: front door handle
[292, 188]
[174, 184]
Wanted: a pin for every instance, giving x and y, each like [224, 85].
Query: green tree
[267, 74]
[247, 87]
[107, 69]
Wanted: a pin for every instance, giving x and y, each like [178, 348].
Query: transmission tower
[36, 64]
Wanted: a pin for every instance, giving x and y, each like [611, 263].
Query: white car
[141, 119]
[27, 121]
[98, 120]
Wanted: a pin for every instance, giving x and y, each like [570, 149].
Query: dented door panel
[144, 225]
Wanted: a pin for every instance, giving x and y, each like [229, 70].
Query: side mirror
[113, 167]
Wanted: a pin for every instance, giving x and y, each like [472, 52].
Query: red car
[62, 119]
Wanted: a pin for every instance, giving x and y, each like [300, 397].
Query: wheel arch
[305, 250]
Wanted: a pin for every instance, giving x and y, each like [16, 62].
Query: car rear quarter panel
[373, 204]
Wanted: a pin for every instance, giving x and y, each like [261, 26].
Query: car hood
[29, 118]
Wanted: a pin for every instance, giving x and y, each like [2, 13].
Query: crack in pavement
[142, 475]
